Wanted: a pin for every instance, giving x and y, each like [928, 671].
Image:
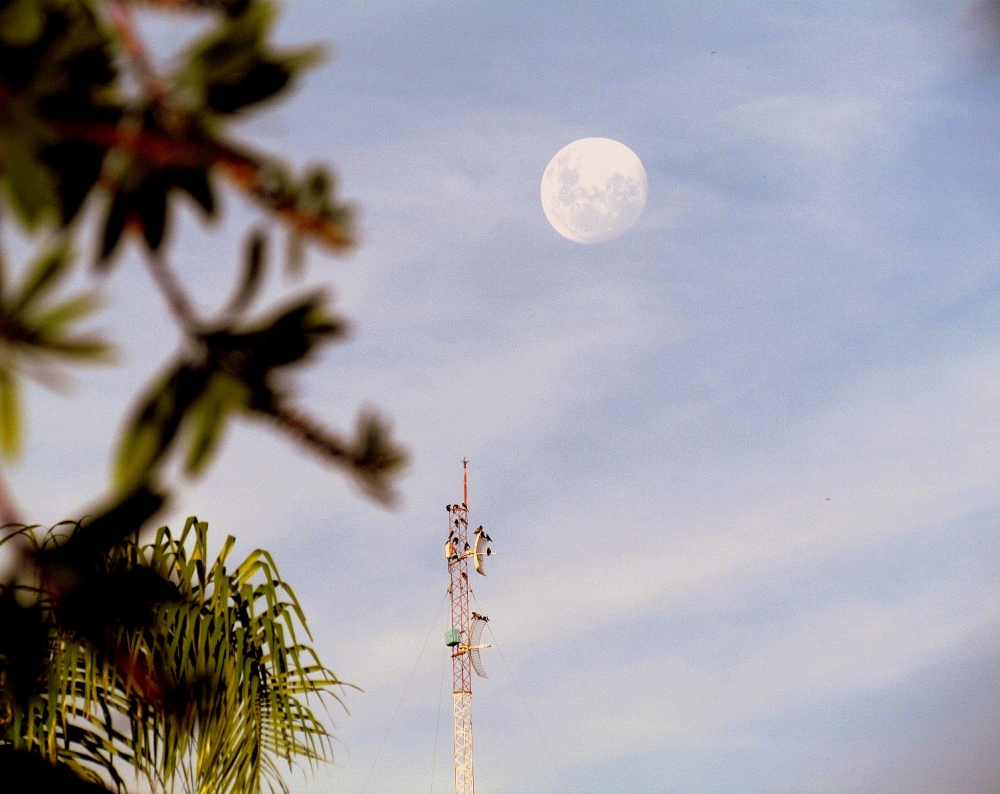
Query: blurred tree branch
[92, 135]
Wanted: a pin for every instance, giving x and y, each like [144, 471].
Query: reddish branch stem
[120, 16]
[173, 291]
[243, 169]
[307, 431]
[9, 513]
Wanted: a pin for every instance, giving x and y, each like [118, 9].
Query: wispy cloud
[739, 464]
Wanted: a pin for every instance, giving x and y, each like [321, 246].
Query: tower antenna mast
[465, 634]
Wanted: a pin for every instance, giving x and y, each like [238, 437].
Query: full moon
[593, 190]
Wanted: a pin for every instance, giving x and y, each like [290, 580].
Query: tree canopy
[96, 622]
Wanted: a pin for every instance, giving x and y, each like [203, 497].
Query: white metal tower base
[465, 782]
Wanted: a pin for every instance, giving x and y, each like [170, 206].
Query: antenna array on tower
[465, 634]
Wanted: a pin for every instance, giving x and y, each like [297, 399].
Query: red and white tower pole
[466, 629]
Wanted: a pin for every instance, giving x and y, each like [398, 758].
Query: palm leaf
[238, 683]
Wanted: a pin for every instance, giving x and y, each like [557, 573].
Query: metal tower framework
[466, 629]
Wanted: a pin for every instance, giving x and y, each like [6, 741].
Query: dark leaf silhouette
[116, 652]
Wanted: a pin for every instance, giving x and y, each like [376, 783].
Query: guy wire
[524, 701]
[437, 722]
[371, 771]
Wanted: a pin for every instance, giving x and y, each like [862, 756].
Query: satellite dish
[475, 637]
[480, 552]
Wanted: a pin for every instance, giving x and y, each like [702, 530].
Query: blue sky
[740, 464]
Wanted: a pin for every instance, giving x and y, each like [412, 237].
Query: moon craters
[593, 190]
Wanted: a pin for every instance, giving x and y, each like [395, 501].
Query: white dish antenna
[481, 551]
[475, 638]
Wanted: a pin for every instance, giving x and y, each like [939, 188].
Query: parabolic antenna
[475, 643]
[480, 552]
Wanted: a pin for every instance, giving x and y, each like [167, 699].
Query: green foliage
[203, 665]
[56, 75]
[113, 652]
[235, 675]
[21, 23]
[232, 68]
[72, 126]
[141, 199]
[36, 331]
[230, 371]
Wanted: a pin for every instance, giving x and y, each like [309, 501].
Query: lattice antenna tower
[465, 635]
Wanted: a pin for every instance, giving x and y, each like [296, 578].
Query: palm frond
[237, 688]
